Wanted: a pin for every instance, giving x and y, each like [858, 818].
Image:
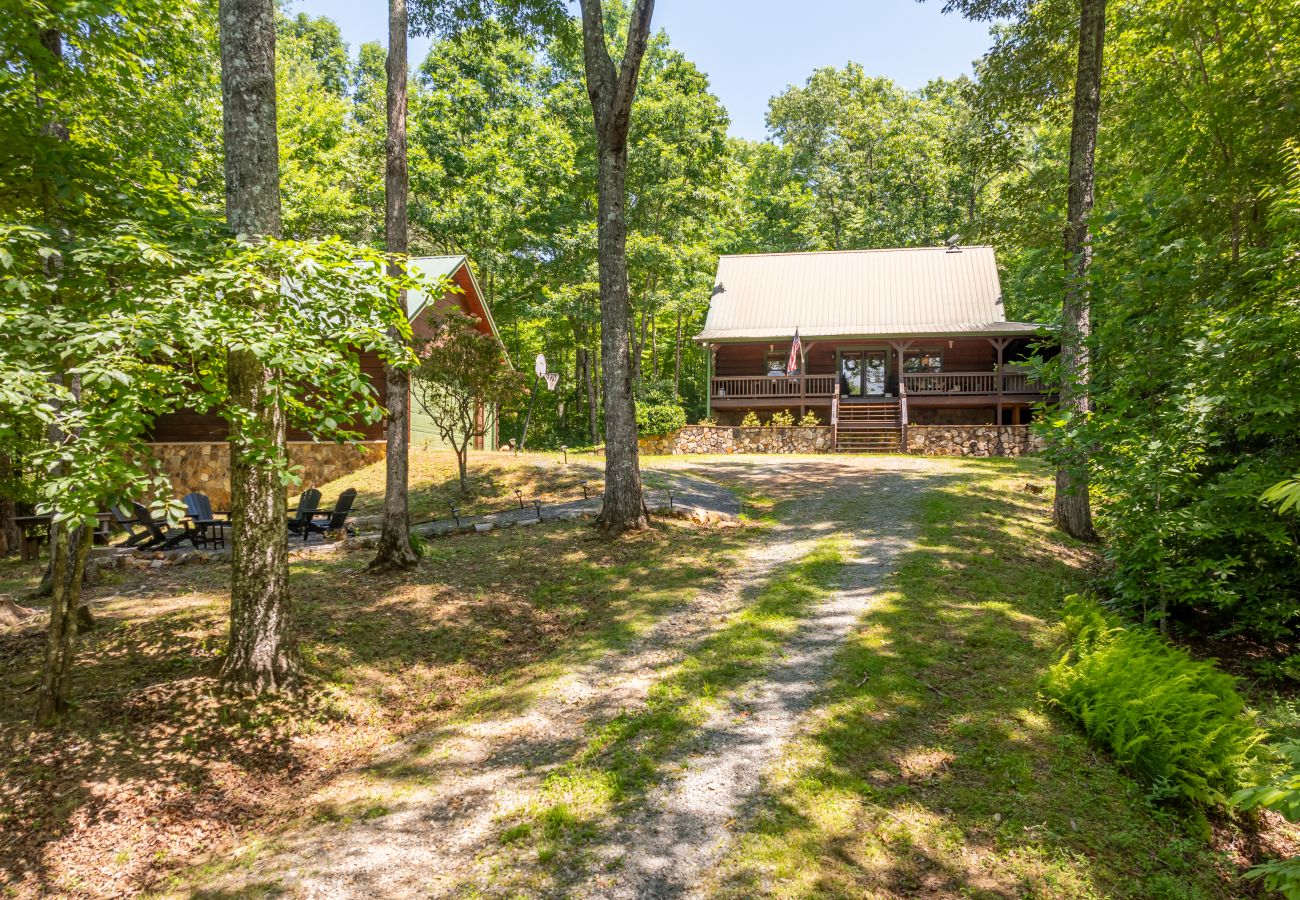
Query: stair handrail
[902, 412]
[835, 421]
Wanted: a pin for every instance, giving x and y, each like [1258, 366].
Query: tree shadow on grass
[929, 768]
[156, 766]
[591, 806]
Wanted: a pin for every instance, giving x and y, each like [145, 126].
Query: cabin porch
[872, 390]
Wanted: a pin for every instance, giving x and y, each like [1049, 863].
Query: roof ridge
[943, 249]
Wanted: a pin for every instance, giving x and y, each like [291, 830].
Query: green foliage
[658, 410]
[1195, 291]
[461, 381]
[750, 420]
[809, 419]
[503, 159]
[782, 418]
[1281, 875]
[858, 162]
[1285, 495]
[419, 544]
[1177, 723]
[1282, 795]
[136, 322]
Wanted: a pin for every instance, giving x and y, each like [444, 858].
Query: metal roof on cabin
[431, 268]
[843, 294]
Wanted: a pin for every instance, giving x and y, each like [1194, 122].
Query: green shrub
[1282, 795]
[1176, 723]
[750, 420]
[782, 418]
[654, 419]
[658, 409]
[810, 419]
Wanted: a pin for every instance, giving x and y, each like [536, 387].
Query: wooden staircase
[875, 427]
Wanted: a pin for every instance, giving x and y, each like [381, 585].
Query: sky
[753, 49]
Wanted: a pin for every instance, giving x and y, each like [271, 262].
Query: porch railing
[821, 387]
[970, 383]
[1021, 383]
[770, 387]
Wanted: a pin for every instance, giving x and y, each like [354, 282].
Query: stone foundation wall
[972, 440]
[930, 415]
[205, 467]
[723, 439]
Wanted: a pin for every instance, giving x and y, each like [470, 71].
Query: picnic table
[36, 531]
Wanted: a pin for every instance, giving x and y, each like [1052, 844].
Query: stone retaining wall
[205, 467]
[972, 440]
[735, 439]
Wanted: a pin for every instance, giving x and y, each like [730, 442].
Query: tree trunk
[624, 507]
[589, 389]
[677, 358]
[462, 467]
[9, 533]
[654, 349]
[68, 552]
[611, 91]
[395, 552]
[68, 549]
[1072, 509]
[262, 655]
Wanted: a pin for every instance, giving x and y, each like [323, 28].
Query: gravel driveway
[443, 838]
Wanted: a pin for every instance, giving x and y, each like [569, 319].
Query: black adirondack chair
[136, 534]
[210, 529]
[300, 521]
[162, 537]
[334, 520]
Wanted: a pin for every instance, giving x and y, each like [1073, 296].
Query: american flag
[796, 355]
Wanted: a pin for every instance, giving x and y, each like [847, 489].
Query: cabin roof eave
[850, 333]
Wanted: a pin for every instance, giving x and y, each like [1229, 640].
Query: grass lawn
[494, 477]
[156, 769]
[928, 766]
[930, 769]
[625, 756]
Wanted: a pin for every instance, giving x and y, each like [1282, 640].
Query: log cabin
[888, 338]
[191, 446]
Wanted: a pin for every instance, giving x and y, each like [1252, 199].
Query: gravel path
[667, 489]
[441, 837]
[664, 848]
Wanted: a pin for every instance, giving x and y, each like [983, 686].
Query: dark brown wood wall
[190, 427]
[187, 426]
[965, 355]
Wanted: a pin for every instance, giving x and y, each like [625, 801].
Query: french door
[862, 372]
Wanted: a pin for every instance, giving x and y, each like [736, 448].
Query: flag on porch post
[793, 364]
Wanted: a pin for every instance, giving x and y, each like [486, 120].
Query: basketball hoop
[552, 379]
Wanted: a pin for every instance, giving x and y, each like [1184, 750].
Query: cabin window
[776, 363]
[923, 361]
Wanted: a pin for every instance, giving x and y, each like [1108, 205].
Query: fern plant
[1178, 724]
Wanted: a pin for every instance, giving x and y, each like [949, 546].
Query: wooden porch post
[711, 351]
[899, 347]
[1000, 344]
[803, 377]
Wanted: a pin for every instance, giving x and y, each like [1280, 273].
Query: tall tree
[68, 545]
[1072, 509]
[262, 654]
[395, 550]
[611, 89]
